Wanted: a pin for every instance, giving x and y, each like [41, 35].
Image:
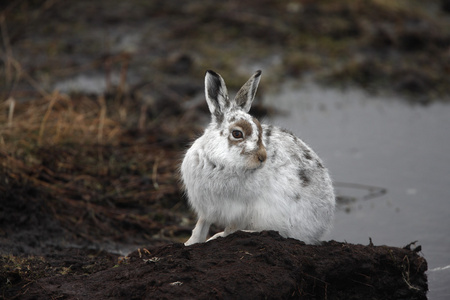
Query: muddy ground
[88, 175]
[241, 266]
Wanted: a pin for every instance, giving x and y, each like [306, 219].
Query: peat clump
[248, 265]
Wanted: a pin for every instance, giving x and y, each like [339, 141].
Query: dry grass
[95, 170]
[56, 119]
[104, 167]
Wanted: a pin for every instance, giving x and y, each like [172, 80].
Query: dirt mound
[243, 266]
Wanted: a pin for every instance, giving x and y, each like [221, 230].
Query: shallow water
[385, 143]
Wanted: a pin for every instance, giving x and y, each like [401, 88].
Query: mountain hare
[244, 175]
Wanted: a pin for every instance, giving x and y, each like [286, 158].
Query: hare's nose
[262, 155]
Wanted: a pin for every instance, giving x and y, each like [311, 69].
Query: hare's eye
[237, 134]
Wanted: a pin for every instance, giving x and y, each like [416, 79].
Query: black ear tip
[211, 72]
[258, 73]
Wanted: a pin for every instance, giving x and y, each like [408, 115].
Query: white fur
[270, 180]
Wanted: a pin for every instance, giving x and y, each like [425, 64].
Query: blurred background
[99, 100]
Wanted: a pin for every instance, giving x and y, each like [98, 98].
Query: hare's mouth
[256, 159]
[254, 164]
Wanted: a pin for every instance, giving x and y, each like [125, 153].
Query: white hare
[244, 175]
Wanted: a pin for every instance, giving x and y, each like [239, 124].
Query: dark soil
[87, 177]
[241, 266]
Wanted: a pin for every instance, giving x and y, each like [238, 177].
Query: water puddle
[390, 162]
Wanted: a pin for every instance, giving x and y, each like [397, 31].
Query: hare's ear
[246, 94]
[216, 94]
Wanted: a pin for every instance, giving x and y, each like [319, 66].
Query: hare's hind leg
[199, 233]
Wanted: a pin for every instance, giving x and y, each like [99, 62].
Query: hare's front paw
[191, 242]
[228, 230]
[226, 233]
[199, 233]
[217, 235]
